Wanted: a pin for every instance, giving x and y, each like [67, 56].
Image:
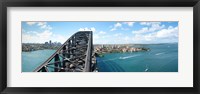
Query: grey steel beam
[77, 40]
[88, 59]
[51, 57]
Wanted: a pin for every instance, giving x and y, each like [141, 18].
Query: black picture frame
[100, 3]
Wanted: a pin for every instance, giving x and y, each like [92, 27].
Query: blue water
[31, 60]
[161, 58]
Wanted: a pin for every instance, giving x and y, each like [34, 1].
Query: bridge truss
[75, 55]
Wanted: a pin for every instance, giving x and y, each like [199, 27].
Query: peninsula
[100, 50]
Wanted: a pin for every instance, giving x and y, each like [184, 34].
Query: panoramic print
[99, 46]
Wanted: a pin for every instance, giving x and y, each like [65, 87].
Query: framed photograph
[74, 46]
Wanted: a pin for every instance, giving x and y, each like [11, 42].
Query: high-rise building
[46, 43]
[50, 42]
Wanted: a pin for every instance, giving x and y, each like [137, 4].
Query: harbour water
[161, 58]
[31, 60]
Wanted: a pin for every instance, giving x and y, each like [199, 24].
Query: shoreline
[38, 50]
[102, 54]
[101, 50]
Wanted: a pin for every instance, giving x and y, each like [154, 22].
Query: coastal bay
[161, 58]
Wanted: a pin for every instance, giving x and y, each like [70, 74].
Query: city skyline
[103, 32]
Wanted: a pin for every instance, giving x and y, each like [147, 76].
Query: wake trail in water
[159, 53]
[128, 56]
[146, 68]
[121, 58]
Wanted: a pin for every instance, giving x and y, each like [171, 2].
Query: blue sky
[103, 32]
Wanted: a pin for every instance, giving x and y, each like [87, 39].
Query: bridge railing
[68, 55]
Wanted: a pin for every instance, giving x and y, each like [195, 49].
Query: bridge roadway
[75, 55]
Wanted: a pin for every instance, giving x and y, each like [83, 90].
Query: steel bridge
[75, 55]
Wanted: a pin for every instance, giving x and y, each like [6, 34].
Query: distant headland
[100, 50]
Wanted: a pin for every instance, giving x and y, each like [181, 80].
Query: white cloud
[44, 35]
[118, 34]
[117, 25]
[105, 36]
[41, 23]
[36, 37]
[96, 36]
[87, 29]
[145, 23]
[155, 27]
[152, 27]
[169, 34]
[100, 37]
[149, 23]
[141, 31]
[129, 23]
[26, 38]
[44, 25]
[125, 29]
[31, 32]
[93, 29]
[101, 32]
[59, 38]
[81, 29]
[127, 39]
[30, 23]
[113, 29]
[41, 37]
[48, 27]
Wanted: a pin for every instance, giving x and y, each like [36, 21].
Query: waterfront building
[46, 43]
[50, 42]
[102, 46]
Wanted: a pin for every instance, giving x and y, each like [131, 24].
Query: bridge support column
[64, 55]
[57, 61]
